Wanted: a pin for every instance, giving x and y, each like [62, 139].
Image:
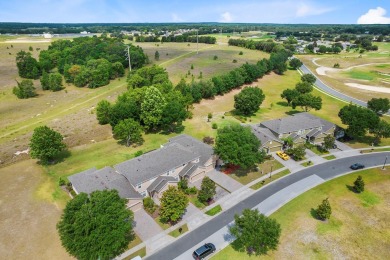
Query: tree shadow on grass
[313, 213]
[292, 112]
[350, 188]
[59, 159]
[282, 103]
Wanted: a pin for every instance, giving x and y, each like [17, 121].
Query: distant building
[47, 35]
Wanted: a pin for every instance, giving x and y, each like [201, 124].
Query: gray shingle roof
[313, 133]
[264, 134]
[204, 150]
[293, 123]
[188, 170]
[155, 163]
[103, 179]
[160, 182]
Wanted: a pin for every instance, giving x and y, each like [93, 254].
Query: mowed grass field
[373, 69]
[357, 229]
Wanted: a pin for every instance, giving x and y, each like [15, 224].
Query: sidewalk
[162, 239]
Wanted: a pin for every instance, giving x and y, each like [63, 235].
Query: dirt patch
[369, 88]
[28, 226]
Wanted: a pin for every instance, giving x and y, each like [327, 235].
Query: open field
[369, 68]
[28, 224]
[182, 55]
[357, 229]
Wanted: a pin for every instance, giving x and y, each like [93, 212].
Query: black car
[203, 251]
[357, 166]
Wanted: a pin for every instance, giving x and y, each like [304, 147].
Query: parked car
[283, 155]
[357, 166]
[203, 251]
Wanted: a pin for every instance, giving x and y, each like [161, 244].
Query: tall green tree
[289, 95]
[308, 78]
[45, 80]
[157, 55]
[98, 226]
[173, 205]
[174, 112]
[24, 89]
[152, 108]
[304, 87]
[329, 142]
[307, 102]
[295, 63]
[28, 66]
[381, 130]
[248, 101]
[379, 105]
[129, 131]
[207, 190]
[236, 144]
[324, 210]
[55, 81]
[358, 119]
[103, 112]
[358, 185]
[255, 233]
[46, 144]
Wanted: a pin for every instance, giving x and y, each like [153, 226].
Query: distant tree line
[85, 61]
[176, 38]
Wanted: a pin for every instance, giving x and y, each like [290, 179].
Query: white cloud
[309, 10]
[226, 17]
[374, 16]
[176, 18]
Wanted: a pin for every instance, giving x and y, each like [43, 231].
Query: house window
[139, 185]
[143, 194]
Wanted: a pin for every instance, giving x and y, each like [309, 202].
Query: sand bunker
[368, 87]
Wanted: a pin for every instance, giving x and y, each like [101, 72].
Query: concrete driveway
[224, 181]
[290, 164]
[145, 227]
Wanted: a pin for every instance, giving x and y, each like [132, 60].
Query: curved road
[325, 171]
[322, 86]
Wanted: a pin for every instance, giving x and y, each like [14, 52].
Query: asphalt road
[321, 85]
[327, 171]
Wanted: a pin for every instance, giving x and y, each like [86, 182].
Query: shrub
[240, 53]
[208, 140]
[214, 126]
[183, 184]
[209, 116]
[336, 65]
[359, 185]
[61, 182]
[324, 210]
[138, 153]
[234, 61]
[215, 57]
[192, 190]
[192, 66]
[149, 205]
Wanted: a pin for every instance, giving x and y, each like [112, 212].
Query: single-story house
[151, 173]
[301, 128]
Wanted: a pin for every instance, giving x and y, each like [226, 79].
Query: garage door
[197, 176]
[136, 205]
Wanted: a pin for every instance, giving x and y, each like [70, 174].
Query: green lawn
[268, 180]
[177, 233]
[318, 151]
[308, 163]
[329, 157]
[214, 211]
[194, 200]
[246, 176]
[357, 229]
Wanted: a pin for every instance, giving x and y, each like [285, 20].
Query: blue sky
[240, 11]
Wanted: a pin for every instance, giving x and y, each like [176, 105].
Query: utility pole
[128, 56]
[384, 164]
